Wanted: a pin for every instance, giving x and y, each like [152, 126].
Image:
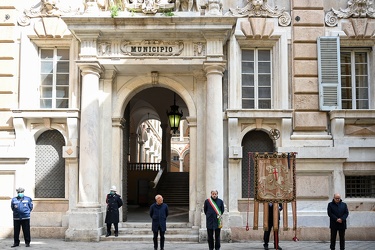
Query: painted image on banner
[275, 177]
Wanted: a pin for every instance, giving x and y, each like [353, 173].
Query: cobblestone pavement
[122, 245]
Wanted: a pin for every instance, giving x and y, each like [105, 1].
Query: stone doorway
[152, 153]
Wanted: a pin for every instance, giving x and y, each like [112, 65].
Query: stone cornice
[272, 114]
[161, 24]
[359, 114]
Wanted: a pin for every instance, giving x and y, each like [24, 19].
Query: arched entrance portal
[149, 153]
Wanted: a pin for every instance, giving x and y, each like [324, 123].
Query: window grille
[49, 166]
[253, 141]
[360, 186]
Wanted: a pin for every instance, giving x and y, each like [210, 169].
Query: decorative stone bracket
[356, 8]
[261, 9]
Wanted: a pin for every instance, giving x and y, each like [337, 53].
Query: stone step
[141, 232]
[148, 238]
[146, 231]
[148, 225]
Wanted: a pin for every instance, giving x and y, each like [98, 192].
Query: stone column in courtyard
[214, 128]
[86, 221]
[89, 136]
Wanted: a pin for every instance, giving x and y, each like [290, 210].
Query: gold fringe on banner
[294, 210]
[275, 208]
[285, 216]
[256, 215]
[265, 216]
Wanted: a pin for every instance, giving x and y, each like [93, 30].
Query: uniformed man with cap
[21, 206]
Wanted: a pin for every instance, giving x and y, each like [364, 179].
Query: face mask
[112, 193]
[20, 195]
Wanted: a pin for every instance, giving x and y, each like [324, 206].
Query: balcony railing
[144, 166]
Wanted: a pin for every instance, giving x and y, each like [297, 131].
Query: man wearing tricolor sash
[213, 209]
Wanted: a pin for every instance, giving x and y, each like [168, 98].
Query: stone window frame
[278, 44]
[30, 78]
[334, 102]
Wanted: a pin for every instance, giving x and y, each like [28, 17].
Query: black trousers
[109, 228]
[266, 236]
[210, 238]
[333, 238]
[162, 238]
[25, 224]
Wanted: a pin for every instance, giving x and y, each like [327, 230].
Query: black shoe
[116, 234]
[15, 245]
[108, 234]
[265, 246]
[27, 244]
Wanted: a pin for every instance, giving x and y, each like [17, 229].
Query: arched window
[49, 166]
[253, 141]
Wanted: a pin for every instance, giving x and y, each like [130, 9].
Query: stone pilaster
[307, 26]
[86, 221]
[194, 211]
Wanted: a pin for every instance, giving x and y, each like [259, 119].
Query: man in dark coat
[266, 235]
[159, 214]
[338, 213]
[21, 206]
[213, 209]
[114, 202]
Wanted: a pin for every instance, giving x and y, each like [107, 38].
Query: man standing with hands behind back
[21, 206]
[338, 213]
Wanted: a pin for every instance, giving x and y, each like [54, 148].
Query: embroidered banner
[275, 177]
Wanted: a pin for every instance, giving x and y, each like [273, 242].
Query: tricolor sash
[217, 211]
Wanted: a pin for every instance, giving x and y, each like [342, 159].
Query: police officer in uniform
[21, 206]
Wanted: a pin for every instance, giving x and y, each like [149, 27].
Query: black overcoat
[211, 216]
[335, 211]
[114, 202]
[159, 214]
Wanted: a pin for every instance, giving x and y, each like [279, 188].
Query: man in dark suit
[213, 209]
[338, 213]
[159, 214]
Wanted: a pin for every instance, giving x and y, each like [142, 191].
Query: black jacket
[159, 214]
[114, 202]
[335, 211]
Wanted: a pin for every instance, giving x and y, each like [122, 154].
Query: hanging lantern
[174, 116]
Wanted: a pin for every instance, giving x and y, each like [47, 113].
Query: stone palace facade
[79, 79]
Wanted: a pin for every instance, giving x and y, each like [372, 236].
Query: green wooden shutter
[329, 73]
